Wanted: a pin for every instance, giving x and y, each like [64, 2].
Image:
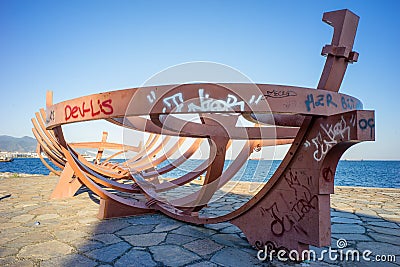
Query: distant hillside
[13, 144]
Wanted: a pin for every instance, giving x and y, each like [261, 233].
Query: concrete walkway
[35, 231]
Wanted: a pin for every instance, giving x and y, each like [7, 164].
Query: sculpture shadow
[157, 240]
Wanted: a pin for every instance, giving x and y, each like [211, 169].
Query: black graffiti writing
[327, 174]
[304, 201]
[280, 93]
[284, 223]
[52, 115]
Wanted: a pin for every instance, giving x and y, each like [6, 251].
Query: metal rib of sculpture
[291, 210]
[68, 185]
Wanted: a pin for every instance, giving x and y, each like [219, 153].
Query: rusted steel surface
[291, 210]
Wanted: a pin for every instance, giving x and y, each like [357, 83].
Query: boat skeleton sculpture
[291, 210]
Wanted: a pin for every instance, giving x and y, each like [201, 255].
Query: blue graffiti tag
[321, 100]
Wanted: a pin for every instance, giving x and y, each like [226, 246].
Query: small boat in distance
[88, 157]
[5, 158]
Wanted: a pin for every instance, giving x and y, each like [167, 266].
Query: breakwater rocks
[16, 175]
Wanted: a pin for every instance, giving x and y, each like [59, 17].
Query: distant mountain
[14, 144]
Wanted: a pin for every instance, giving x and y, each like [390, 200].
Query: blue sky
[76, 48]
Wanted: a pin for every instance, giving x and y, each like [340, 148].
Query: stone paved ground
[35, 231]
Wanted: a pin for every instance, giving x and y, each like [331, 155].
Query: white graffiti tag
[210, 104]
[175, 101]
[204, 103]
[254, 100]
[353, 120]
[331, 133]
[151, 97]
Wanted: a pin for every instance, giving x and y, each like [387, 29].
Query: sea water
[349, 173]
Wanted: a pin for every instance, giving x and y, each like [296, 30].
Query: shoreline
[18, 175]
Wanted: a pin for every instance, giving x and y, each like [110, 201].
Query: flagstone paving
[36, 231]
